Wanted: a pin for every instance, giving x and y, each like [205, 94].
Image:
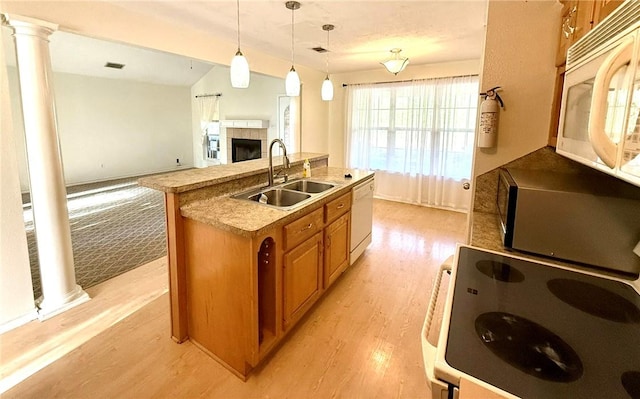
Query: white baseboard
[18, 321]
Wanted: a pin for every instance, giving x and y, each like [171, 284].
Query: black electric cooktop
[539, 331]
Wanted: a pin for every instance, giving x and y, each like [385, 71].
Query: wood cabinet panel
[336, 255]
[303, 228]
[301, 279]
[555, 107]
[602, 8]
[576, 20]
[222, 319]
[337, 207]
[177, 268]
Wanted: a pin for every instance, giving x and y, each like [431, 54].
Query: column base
[47, 310]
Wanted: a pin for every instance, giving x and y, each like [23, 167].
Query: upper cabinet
[602, 8]
[576, 20]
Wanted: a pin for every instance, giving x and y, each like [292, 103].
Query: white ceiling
[427, 31]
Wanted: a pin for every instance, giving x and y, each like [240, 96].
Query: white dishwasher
[361, 218]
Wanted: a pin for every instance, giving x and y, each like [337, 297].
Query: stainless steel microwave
[589, 218]
[599, 119]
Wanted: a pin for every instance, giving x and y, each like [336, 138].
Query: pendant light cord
[238, 15]
[327, 58]
[292, 34]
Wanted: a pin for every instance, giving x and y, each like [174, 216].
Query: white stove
[528, 329]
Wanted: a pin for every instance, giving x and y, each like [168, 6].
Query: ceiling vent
[113, 65]
[319, 49]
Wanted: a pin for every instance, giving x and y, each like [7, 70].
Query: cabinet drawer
[303, 228]
[337, 207]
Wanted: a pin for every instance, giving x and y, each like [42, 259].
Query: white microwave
[599, 119]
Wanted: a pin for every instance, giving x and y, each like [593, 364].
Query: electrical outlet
[178, 162]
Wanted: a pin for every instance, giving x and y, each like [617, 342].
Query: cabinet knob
[340, 206]
[307, 228]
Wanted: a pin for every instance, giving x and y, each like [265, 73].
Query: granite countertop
[250, 219]
[192, 179]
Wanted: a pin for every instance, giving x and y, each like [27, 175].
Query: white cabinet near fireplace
[245, 123]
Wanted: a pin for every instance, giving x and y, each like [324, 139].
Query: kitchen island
[243, 273]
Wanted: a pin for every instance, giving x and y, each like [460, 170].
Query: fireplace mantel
[245, 123]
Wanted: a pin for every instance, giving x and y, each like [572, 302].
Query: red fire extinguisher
[489, 113]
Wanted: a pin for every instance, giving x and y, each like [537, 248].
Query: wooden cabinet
[602, 8]
[303, 228]
[337, 207]
[302, 279]
[337, 238]
[336, 255]
[576, 20]
[555, 106]
[244, 293]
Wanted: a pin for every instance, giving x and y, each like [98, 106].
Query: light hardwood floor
[362, 340]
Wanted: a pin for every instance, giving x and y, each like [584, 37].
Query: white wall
[115, 128]
[519, 55]
[107, 21]
[16, 291]
[337, 107]
[258, 101]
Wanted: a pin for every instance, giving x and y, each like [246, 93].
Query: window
[414, 130]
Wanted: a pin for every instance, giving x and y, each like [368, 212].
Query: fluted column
[48, 191]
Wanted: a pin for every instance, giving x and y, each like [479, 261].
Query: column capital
[29, 25]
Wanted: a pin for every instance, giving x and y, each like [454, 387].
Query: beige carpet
[115, 227]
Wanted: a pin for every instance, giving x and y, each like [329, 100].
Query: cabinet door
[302, 279]
[567, 28]
[576, 21]
[336, 256]
[603, 8]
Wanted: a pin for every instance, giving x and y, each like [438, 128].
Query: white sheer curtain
[418, 136]
[208, 106]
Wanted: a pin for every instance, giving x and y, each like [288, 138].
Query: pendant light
[396, 64]
[327, 85]
[292, 82]
[239, 71]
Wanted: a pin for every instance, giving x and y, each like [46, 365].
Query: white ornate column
[48, 192]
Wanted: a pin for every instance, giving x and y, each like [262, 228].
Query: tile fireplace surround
[243, 133]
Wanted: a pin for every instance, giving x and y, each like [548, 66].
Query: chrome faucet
[285, 160]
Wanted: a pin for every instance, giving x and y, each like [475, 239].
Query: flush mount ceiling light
[239, 66]
[396, 64]
[292, 82]
[327, 86]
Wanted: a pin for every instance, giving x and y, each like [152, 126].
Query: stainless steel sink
[279, 197]
[286, 196]
[308, 186]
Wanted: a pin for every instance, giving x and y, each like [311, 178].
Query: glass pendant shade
[292, 83]
[240, 75]
[327, 90]
[327, 86]
[239, 71]
[396, 64]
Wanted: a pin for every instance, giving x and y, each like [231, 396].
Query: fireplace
[245, 149]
